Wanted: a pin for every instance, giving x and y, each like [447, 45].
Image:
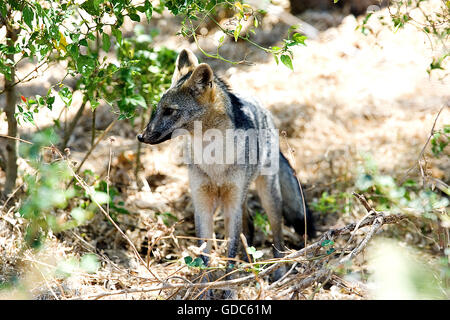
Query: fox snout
[140, 138]
[154, 137]
[149, 138]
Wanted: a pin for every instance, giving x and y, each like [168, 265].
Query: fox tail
[294, 206]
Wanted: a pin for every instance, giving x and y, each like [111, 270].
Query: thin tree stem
[10, 109]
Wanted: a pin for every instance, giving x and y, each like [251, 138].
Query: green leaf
[276, 59]
[100, 197]
[327, 243]
[148, 10]
[237, 31]
[136, 100]
[297, 37]
[50, 100]
[134, 17]
[251, 250]
[256, 254]
[276, 48]
[198, 262]
[73, 50]
[85, 65]
[28, 16]
[287, 61]
[3, 10]
[118, 34]
[106, 42]
[364, 181]
[94, 104]
[188, 260]
[92, 7]
[79, 215]
[83, 42]
[66, 96]
[66, 267]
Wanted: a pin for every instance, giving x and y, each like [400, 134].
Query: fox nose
[140, 138]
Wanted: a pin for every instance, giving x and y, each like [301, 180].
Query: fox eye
[168, 111]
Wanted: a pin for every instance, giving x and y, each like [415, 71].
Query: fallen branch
[376, 221]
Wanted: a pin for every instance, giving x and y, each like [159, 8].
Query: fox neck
[215, 116]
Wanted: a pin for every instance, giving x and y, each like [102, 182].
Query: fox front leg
[205, 200]
[232, 198]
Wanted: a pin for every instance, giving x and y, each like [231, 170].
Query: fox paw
[229, 295]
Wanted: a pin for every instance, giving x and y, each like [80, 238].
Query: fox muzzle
[153, 138]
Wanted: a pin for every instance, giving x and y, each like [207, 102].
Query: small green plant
[48, 198]
[115, 207]
[325, 204]
[45, 191]
[194, 263]
[261, 221]
[409, 198]
[256, 254]
[329, 203]
[440, 140]
[328, 244]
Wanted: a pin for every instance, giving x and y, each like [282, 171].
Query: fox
[198, 94]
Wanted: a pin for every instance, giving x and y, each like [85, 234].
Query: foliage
[48, 199]
[199, 10]
[46, 193]
[411, 12]
[440, 140]
[430, 208]
[145, 73]
[261, 221]
[330, 203]
[194, 263]
[101, 188]
[408, 197]
[76, 31]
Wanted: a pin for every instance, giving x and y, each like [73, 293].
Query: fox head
[187, 100]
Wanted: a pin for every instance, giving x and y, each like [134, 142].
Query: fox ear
[186, 62]
[201, 79]
[186, 59]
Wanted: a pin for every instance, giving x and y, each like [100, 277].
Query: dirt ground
[350, 94]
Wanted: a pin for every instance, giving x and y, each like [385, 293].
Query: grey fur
[226, 185]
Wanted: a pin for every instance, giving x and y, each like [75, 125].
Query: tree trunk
[10, 109]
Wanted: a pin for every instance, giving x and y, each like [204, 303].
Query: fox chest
[219, 174]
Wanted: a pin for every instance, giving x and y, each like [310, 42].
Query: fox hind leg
[248, 229]
[268, 188]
